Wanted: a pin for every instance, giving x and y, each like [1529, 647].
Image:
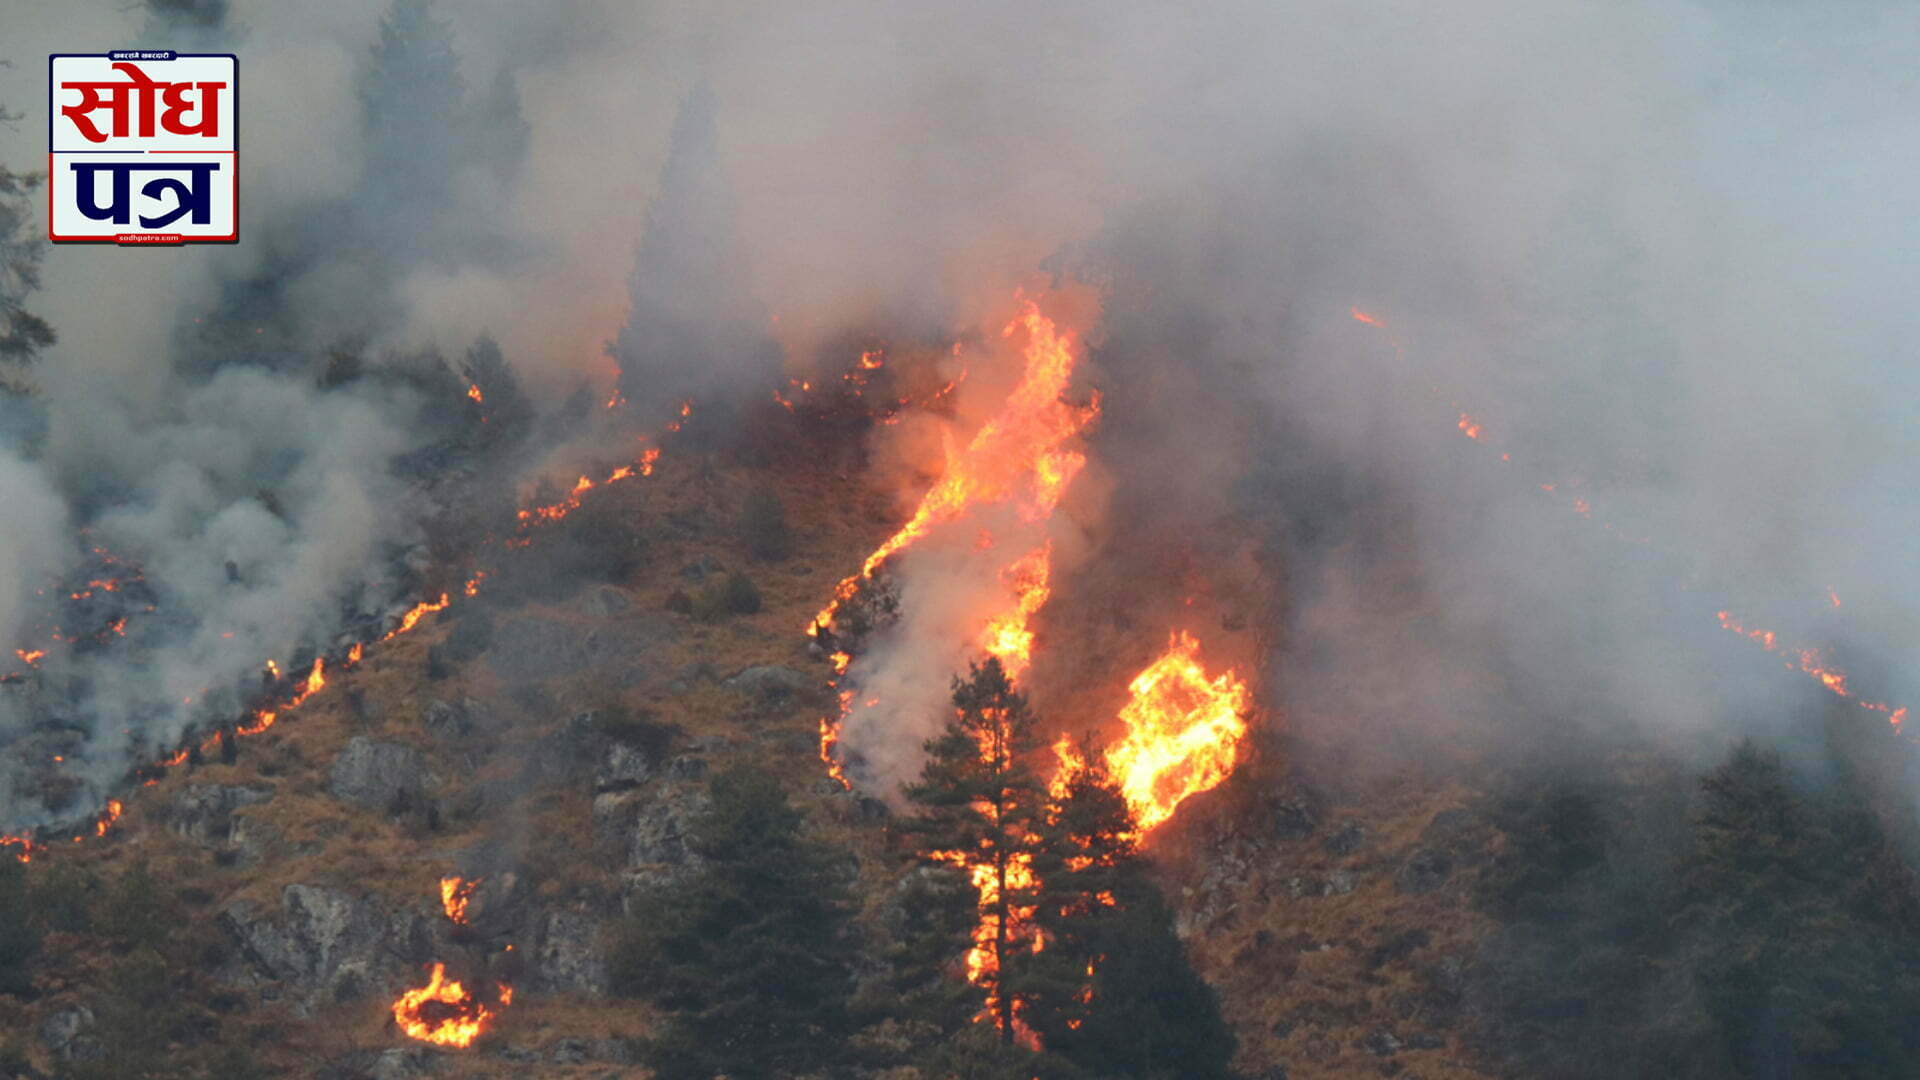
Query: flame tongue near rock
[444, 1012]
[1182, 732]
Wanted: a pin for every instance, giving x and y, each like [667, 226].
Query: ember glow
[1182, 732]
[444, 1012]
[1810, 662]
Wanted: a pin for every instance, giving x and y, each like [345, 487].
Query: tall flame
[1023, 458]
[1182, 734]
[1021, 455]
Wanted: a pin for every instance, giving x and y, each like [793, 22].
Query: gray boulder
[446, 720]
[1381, 1043]
[379, 776]
[329, 944]
[604, 601]
[63, 1033]
[621, 767]
[203, 813]
[770, 682]
[533, 648]
[568, 958]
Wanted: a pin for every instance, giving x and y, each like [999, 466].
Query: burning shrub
[763, 526]
[495, 397]
[875, 603]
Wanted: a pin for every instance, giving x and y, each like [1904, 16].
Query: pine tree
[412, 105]
[502, 404]
[1112, 992]
[693, 330]
[19, 932]
[981, 806]
[746, 953]
[22, 333]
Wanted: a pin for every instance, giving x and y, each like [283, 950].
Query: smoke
[1656, 252]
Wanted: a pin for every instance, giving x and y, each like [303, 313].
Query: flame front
[1023, 458]
[444, 1012]
[1182, 733]
[1814, 664]
[1020, 454]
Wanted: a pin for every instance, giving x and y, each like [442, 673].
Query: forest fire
[445, 1013]
[23, 847]
[1182, 732]
[1022, 459]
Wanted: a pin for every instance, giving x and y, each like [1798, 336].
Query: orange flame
[1183, 732]
[473, 391]
[455, 894]
[107, 817]
[1020, 454]
[1813, 663]
[1023, 458]
[420, 611]
[1006, 635]
[443, 1012]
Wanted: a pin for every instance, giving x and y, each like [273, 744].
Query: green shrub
[137, 913]
[740, 595]
[763, 525]
[19, 934]
[63, 898]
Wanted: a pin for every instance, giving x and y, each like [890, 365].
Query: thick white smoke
[1660, 252]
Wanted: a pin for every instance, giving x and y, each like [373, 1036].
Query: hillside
[296, 890]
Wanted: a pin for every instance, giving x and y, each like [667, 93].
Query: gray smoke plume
[1656, 253]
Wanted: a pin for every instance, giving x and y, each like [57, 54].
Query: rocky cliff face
[550, 751]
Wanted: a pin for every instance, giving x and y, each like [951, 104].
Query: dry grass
[1275, 958]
